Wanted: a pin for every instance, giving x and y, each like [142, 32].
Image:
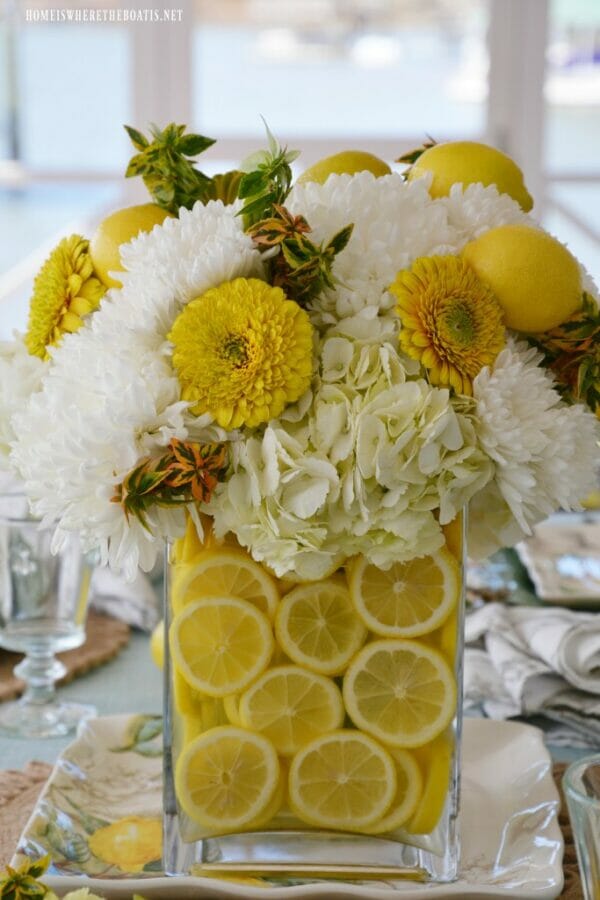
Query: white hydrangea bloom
[544, 452]
[111, 396]
[378, 452]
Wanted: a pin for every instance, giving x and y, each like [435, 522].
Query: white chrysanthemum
[377, 463]
[476, 209]
[394, 223]
[544, 452]
[20, 376]
[111, 396]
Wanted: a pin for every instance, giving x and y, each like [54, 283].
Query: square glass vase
[312, 730]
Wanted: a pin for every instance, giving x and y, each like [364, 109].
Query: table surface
[129, 683]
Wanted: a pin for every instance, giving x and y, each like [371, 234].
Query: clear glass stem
[40, 672]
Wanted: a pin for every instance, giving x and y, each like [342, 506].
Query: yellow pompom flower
[65, 289]
[242, 352]
[450, 321]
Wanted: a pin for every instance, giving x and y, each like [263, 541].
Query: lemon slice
[435, 760]
[291, 706]
[343, 780]
[409, 787]
[226, 779]
[231, 705]
[401, 692]
[409, 599]
[317, 626]
[226, 573]
[221, 644]
[208, 711]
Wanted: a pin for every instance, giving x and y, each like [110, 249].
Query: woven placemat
[20, 789]
[105, 636]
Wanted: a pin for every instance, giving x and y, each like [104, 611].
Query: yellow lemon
[435, 762]
[470, 162]
[225, 573]
[226, 779]
[157, 645]
[119, 228]
[535, 278]
[401, 692]
[409, 786]
[348, 162]
[342, 780]
[220, 644]
[408, 599]
[317, 627]
[291, 706]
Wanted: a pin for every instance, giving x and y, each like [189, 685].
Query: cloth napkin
[527, 661]
[137, 602]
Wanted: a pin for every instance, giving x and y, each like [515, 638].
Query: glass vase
[282, 760]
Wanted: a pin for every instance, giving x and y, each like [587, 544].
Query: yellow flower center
[242, 352]
[450, 321]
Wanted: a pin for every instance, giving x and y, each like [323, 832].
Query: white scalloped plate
[512, 843]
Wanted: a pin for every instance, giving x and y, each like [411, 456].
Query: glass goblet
[43, 608]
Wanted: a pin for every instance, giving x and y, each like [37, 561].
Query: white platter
[512, 843]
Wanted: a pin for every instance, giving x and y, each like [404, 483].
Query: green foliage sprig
[23, 883]
[411, 156]
[165, 163]
[572, 352]
[301, 268]
[267, 180]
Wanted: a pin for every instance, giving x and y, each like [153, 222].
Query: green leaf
[340, 240]
[137, 138]
[192, 144]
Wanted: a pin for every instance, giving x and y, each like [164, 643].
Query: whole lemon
[119, 228]
[469, 162]
[535, 278]
[157, 645]
[348, 162]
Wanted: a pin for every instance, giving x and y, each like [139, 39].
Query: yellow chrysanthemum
[242, 352]
[65, 289]
[451, 321]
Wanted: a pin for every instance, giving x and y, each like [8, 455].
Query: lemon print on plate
[221, 644]
[226, 573]
[347, 162]
[129, 843]
[343, 780]
[409, 599]
[469, 162]
[291, 706]
[401, 692]
[317, 626]
[228, 779]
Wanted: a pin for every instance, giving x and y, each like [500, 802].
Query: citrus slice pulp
[401, 692]
[291, 706]
[408, 599]
[317, 627]
[226, 573]
[342, 780]
[221, 644]
[226, 779]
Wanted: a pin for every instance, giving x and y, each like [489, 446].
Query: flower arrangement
[326, 368]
